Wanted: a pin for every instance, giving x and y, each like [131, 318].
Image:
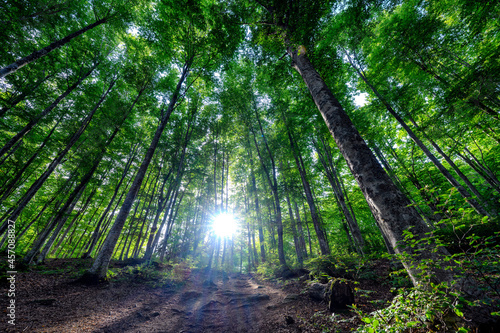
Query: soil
[49, 300]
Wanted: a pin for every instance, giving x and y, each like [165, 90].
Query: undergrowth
[153, 274]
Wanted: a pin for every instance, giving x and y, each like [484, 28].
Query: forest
[348, 147]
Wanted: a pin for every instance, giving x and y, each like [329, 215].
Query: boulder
[317, 291]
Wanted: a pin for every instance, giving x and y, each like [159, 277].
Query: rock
[317, 291]
[155, 314]
[339, 295]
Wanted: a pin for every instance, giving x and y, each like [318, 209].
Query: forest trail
[234, 303]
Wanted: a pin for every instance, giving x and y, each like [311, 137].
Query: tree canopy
[128, 127]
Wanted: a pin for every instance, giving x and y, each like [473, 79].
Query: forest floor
[49, 300]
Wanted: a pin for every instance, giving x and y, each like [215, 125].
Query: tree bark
[46, 50]
[55, 162]
[35, 121]
[99, 268]
[390, 207]
[323, 245]
[463, 192]
[273, 184]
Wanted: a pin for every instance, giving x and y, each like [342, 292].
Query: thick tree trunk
[46, 50]
[390, 207]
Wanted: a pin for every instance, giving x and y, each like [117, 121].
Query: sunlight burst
[224, 225]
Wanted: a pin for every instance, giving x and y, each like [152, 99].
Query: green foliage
[350, 266]
[428, 310]
[269, 269]
[154, 275]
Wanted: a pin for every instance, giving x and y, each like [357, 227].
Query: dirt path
[235, 304]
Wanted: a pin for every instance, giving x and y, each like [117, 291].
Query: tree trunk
[323, 245]
[73, 198]
[257, 207]
[273, 183]
[96, 233]
[466, 195]
[390, 207]
[300, 231]
[40, 53]
[298, 250]
[99, 268]
[7, 190]
[35, 121]
[55, 162]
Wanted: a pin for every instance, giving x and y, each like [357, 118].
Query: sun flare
[224, 225]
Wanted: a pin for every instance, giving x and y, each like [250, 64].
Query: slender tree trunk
[46, 50]
[257, 207]
[7, 190]
[60, 239]
[15, 100]
[35, 121]
[488, 176]
[99, 268]
[41, 180]
[325, 250]
[302, 241]
[273, 184]
[96, 233]
[58, 224]
[298, 250]
[308, 231]
[331, 174]
[154, 238]
[466, 195]
[73, 198]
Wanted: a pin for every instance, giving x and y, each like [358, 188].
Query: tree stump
[339, 295]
